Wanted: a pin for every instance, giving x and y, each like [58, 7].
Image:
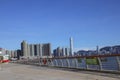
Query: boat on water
[4, 58]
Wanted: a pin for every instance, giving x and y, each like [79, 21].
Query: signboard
[92, 61]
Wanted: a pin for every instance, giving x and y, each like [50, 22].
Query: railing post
[68, 63]
[51, 60]
[86, 63]
[100, 64]
[61, 62]
[56, 62]
[76, 63]
[118, 62]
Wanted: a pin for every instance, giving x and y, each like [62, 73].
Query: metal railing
[99, 63]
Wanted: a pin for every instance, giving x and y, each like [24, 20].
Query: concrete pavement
[13, 71]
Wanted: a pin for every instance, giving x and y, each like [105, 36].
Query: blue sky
[89, 22]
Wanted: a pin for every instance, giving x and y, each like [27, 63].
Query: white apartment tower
[71, 46]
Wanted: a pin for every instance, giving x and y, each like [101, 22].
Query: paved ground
[12, 71]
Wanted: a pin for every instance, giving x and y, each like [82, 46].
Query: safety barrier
[100, 63]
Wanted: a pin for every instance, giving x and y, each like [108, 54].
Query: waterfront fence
[100, 63]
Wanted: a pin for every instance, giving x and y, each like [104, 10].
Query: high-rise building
[46, 49]
[8, 52]
[71, 46]
[37, 49]
[40, 50]
[19, 54]
[63, 51]
[30, 50]
[97, 50]
[2, 51]
[55, 53]
[15, 54]
[59, 51]
[12, 54]
[24, 48]
[67, 51]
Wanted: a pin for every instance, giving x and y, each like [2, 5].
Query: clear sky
[89, 22]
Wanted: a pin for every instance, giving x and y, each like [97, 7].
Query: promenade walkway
[12, 71]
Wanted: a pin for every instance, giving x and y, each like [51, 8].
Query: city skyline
[89, 22]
